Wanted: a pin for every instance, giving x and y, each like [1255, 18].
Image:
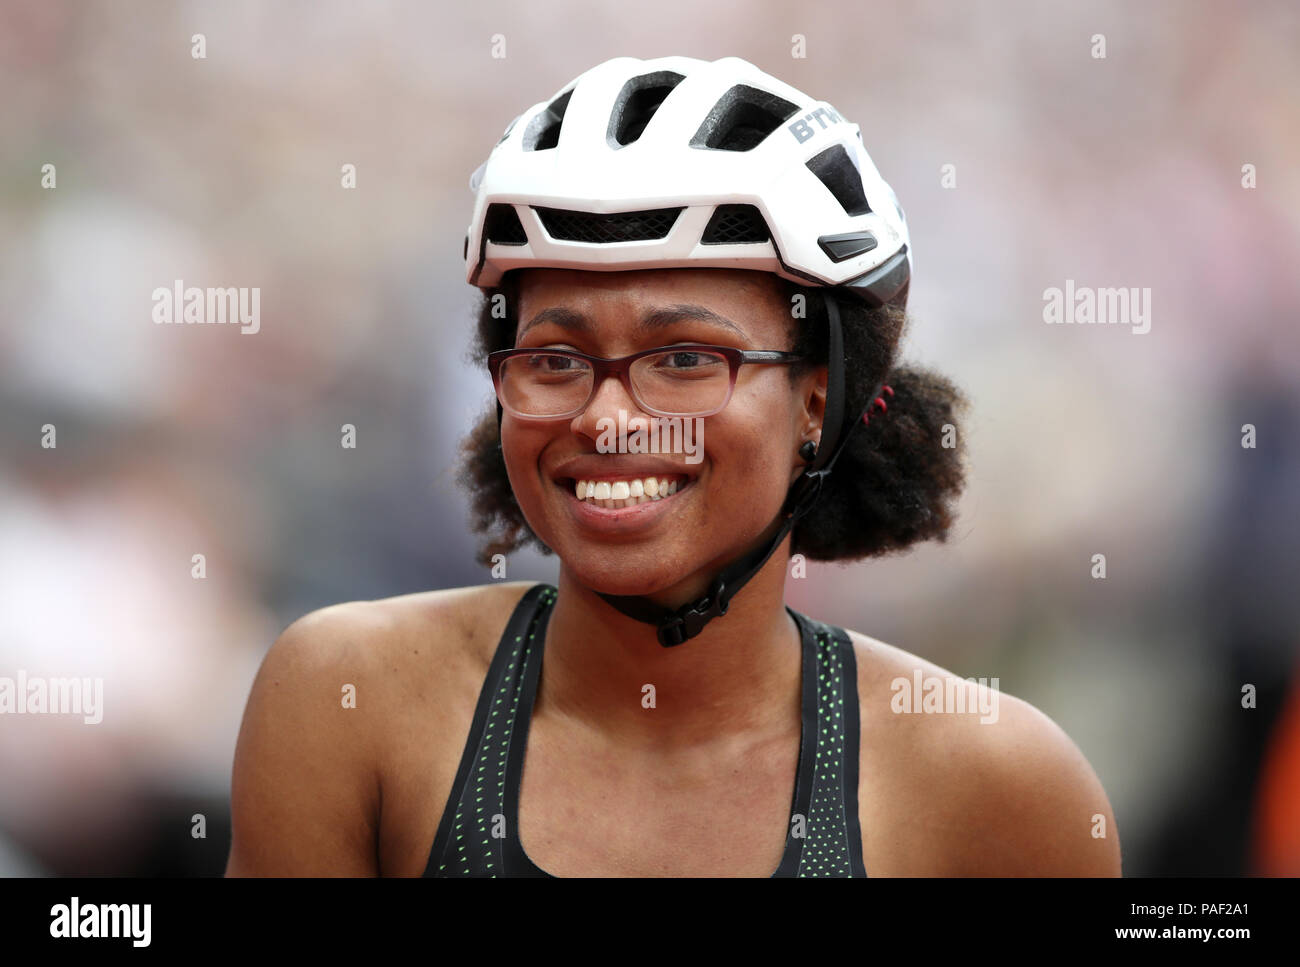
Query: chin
[620, 570]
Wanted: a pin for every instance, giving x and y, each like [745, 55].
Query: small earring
[808, 451]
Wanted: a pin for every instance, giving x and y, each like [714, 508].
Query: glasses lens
[683, 382]
[544, 384]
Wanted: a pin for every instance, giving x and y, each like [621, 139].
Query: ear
[813, 397]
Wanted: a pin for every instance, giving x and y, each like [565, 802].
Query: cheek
[521, 449]
[751, 450]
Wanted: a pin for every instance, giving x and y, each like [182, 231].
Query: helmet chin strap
[676, 626]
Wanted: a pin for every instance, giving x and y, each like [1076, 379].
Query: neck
[740, 677]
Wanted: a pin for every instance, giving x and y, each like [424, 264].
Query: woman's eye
[692, 361]
[681, 360]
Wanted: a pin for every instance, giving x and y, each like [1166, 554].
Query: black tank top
[478, 832]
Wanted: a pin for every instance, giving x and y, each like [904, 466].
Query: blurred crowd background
[225, 171]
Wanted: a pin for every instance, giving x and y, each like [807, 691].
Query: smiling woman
[744, 265]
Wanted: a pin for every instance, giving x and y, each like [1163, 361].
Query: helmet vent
[741, 119]
[735, 225]
[544, 129]
[636, 105]
[503, 227]
[841, 177]
[570, 226]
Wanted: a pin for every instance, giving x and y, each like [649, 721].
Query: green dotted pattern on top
[826, 850]
[471, 849]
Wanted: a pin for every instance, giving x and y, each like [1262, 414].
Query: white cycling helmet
[681, 162]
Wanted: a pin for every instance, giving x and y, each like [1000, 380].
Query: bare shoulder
[447, 620]
[392, 657]
[331, 693]
[960, 779]
[397, 644]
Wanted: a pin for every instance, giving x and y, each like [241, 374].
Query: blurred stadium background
[225, 171]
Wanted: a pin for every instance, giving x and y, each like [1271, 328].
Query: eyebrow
[574, 321]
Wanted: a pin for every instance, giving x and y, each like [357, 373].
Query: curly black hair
[896, 482]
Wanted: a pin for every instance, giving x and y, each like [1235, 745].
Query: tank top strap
[826, 789]
[476, 836]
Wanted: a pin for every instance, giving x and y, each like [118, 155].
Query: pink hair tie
[884, 407]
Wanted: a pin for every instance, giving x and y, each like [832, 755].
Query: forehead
[735, 293]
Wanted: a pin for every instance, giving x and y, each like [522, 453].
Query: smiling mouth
[625, 492]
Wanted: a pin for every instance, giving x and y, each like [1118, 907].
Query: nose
[610, 396]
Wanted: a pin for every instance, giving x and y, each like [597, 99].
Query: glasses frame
[603, 368]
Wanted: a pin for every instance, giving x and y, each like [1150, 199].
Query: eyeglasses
[671, 381]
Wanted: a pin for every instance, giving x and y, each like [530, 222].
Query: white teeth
[626, 493]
